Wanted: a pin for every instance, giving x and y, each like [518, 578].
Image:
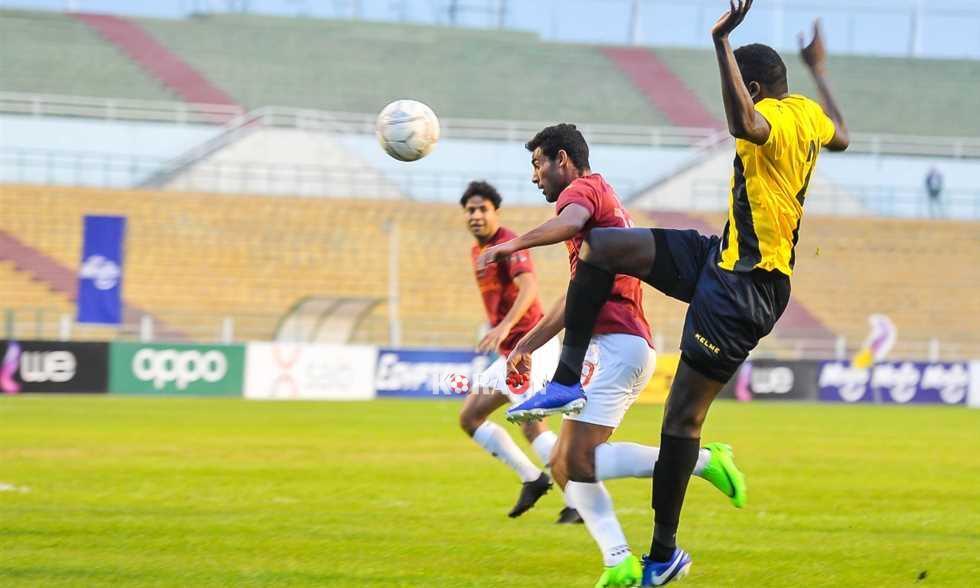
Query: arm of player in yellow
[814, 56]
[744, 121]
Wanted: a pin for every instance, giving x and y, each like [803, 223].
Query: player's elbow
[840, 142]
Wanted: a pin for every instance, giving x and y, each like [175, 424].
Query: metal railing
[850, 200]
[455, 128]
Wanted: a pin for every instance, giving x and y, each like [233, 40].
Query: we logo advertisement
[53, 367]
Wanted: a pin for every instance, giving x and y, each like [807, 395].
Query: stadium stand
[191, 256]
[45, 52]
[877, 94]
[459, 72]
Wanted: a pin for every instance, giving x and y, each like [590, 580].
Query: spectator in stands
[934, 187]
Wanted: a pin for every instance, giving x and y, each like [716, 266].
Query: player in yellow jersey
[737, 285]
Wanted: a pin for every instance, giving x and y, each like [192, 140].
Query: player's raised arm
[744, 122]
[814, 56]
[555, 230]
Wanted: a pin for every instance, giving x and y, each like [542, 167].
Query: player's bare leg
[574, 469]
[477, 407]
[543, 440]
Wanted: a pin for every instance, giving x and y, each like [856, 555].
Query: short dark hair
[564, 136]
[761, 63]
[482, 189]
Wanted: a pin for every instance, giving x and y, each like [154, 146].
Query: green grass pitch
[193, 492]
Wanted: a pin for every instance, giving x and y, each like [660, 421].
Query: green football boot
[724, 475]
[629, 572]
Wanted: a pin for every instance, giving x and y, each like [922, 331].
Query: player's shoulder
[504, 235]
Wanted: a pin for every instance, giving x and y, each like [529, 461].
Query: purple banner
[895, 383]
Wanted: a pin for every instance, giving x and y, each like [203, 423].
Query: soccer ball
[407, 130]
[458, 383]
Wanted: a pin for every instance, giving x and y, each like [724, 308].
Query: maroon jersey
[623, 312]
[499, 290]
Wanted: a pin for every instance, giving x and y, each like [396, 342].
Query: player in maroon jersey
[510, 296]
[617, 357]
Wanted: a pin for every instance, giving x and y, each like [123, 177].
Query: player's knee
[684, 421]
[532, 429]
[470, 422]
[559, 473]
[580, 465]
[595, 248]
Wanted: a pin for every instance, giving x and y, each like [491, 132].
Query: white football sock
[543, 445]
[596, 508]
[498, 443]
[704, 456]
[632, 460]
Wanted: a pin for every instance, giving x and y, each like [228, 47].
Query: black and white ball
[407, 130]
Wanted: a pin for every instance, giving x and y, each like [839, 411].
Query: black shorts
[728, 312]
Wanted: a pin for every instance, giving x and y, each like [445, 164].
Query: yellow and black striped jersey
[769, 185]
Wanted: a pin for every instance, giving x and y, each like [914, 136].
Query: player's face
[547, 175]
[481, 217]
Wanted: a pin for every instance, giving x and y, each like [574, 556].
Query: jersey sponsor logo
[165, 366]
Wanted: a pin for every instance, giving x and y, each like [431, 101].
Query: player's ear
[755, 89]
[562, 158]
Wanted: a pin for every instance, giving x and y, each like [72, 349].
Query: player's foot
[569, 516]
[723, 474]
[629, 572]
[658, 573]
[553, 399]
[530, 493]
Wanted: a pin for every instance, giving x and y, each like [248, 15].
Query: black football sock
[587, 292]
[673, 470]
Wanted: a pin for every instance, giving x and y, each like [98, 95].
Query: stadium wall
[291, 371]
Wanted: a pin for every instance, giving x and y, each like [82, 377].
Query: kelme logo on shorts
[165, 366]
[707, 344]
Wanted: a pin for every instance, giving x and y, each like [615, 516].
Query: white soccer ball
[407, 130]
[458, 383]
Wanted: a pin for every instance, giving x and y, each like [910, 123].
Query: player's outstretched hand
[814, 55]
[518, 366]
[492, 340]
[731, 19]
[492, 255]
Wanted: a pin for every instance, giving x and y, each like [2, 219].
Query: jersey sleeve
[578, 193]
[520, 263]
[825, 127]
[781, 127]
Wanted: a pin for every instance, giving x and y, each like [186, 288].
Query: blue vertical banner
[100, 278]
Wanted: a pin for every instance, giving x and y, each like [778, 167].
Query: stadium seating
[921, 274]
[192, 257]
[51, 53]
[875, 93]
[460, 72]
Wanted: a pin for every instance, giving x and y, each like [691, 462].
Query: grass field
[192, 492]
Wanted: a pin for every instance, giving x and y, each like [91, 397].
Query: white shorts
[616, 370]
[544, 361]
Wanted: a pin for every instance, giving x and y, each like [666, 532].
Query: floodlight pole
[394, 321]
